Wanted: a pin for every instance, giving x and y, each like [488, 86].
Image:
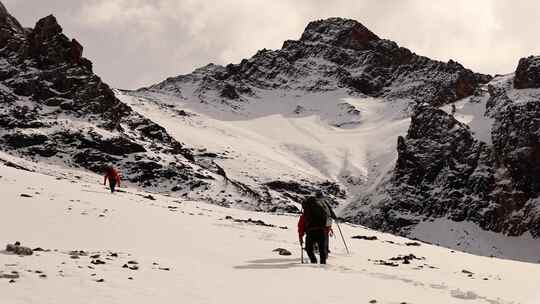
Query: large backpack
[323, 202]
[315, 216]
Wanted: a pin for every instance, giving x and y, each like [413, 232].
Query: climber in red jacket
[114, 179]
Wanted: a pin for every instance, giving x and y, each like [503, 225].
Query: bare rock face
[516, 142]
[18, 249]
[10, 30]
[339, 32]
[528, 73]
[50, 46]
[442, 170]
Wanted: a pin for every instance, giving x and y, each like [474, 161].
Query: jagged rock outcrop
[440, 171]
[334, 54]
[528, 73]
[443, 171]
[516, 144]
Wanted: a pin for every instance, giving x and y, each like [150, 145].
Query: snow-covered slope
[287, 136]
[394, 138]
[191, 252]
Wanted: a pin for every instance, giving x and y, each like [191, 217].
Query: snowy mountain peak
[332, 55]
[340, 32]
[49, 46]
[47, 27]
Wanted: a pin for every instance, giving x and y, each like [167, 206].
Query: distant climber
[114, 179]
[313, 223]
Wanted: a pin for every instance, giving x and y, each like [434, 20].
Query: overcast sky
[135, 43]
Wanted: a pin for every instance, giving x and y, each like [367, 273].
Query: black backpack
[315, 215]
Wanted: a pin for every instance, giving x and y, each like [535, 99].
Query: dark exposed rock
[528, 73]
[339, 32]
[290, 186]
[18, 249]
[229, 91]
[498, 99]
[386, 263]
[9, 276]
[442, 170]
[249, 221]
[19, 140]
[44, 151]
[516, 141]
[117, 146]
[282, 251]
[412, 244]
[363, 237]
[78, 253]
[406, 259]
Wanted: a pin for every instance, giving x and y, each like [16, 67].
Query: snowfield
[286, 136]
[190, 252]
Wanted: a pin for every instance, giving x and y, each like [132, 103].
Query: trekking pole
[339, 228]
[301, 253]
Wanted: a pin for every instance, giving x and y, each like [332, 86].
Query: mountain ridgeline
[334, 54]
[55, 110]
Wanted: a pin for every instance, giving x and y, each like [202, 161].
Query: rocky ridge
[332, 54]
